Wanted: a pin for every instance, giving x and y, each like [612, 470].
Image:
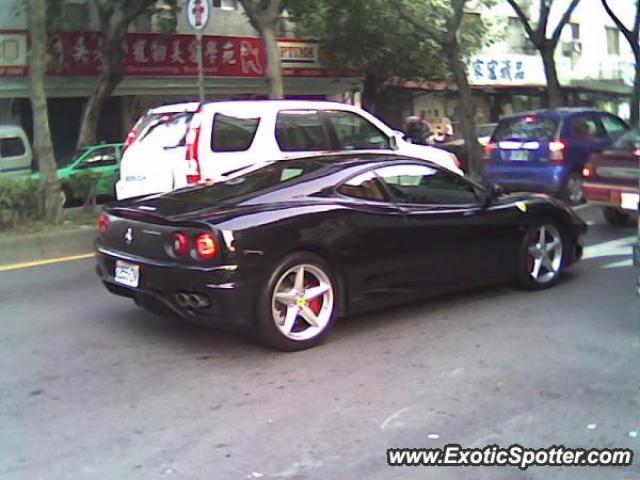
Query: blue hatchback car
[545, 150]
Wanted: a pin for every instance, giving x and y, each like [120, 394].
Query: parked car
[545, 150]
[16, 159]
[102, 160]
[611, 179]
[16, 156]
[457, 146]
[286, 248]
[228, 136]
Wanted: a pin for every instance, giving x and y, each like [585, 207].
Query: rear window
[529, 127]
[149, 123]
[11, 147]
[233, 134]
[168, 131]
[253, 183]
[628, 141]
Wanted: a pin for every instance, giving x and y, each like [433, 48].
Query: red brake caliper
[315, 304]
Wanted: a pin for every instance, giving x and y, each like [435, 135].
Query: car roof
[554, 112]
[11, 129]
[175, 108]
[267, 106]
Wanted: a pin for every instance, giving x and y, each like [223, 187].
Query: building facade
[160, 67]
[594, 62]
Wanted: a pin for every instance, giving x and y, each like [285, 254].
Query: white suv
[228, 136]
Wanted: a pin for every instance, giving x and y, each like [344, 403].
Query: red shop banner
[77, 54]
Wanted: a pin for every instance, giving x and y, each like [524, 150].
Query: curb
[43, 246]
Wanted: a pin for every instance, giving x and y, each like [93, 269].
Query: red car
[611, 178]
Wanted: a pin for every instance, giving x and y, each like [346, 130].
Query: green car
[102, 160]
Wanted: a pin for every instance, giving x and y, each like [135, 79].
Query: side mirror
[495, 191]
[393, 140]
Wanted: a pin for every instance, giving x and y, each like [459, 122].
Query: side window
[613, 126]
[11, 147]
[354, 132]
[586, 127]
[420, 184]
[365, 186]
[301, 131]
[232, 134]
[100, 157]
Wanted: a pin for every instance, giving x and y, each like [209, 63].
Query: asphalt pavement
[92, 387]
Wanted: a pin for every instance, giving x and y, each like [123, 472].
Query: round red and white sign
[198, 13]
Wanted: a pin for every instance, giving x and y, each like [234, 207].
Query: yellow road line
[39, 263]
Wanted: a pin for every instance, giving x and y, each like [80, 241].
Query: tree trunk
[43, 146]
[467, 110]
[372, 86]
[110, 77]
[274, 67]
[635, 96]
[554, 95]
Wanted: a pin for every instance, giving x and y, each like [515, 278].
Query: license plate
[127, 274]
[519, 155]
[629, 201]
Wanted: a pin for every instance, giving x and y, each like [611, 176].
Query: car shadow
[212, 342]
[173, 330]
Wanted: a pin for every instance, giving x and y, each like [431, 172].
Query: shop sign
[506, 69]
[78, 54]
[13, 54]
[198, 13]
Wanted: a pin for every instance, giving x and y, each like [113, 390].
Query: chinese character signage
[505, 69]
[78, 54]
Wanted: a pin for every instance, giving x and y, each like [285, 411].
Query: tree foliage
[372, 38]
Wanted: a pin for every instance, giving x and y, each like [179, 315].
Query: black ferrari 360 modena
[286, 248]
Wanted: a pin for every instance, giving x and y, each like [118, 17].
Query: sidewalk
[76, 240]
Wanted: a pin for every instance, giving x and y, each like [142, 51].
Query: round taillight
[180, 244]
[206, 246]
[103, 223]
[588, 171]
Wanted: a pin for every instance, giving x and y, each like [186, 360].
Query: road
[94, 388]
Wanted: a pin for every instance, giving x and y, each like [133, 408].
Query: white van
[16, 157]
[228, 136]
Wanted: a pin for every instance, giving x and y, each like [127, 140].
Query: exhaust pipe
[192, 300]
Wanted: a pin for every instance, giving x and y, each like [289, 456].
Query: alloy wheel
[545, 254]
[302, 302]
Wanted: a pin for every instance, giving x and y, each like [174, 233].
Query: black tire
[267, 331]
[66, 196]
[525, 264]
[572, 191]
[615, 217]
